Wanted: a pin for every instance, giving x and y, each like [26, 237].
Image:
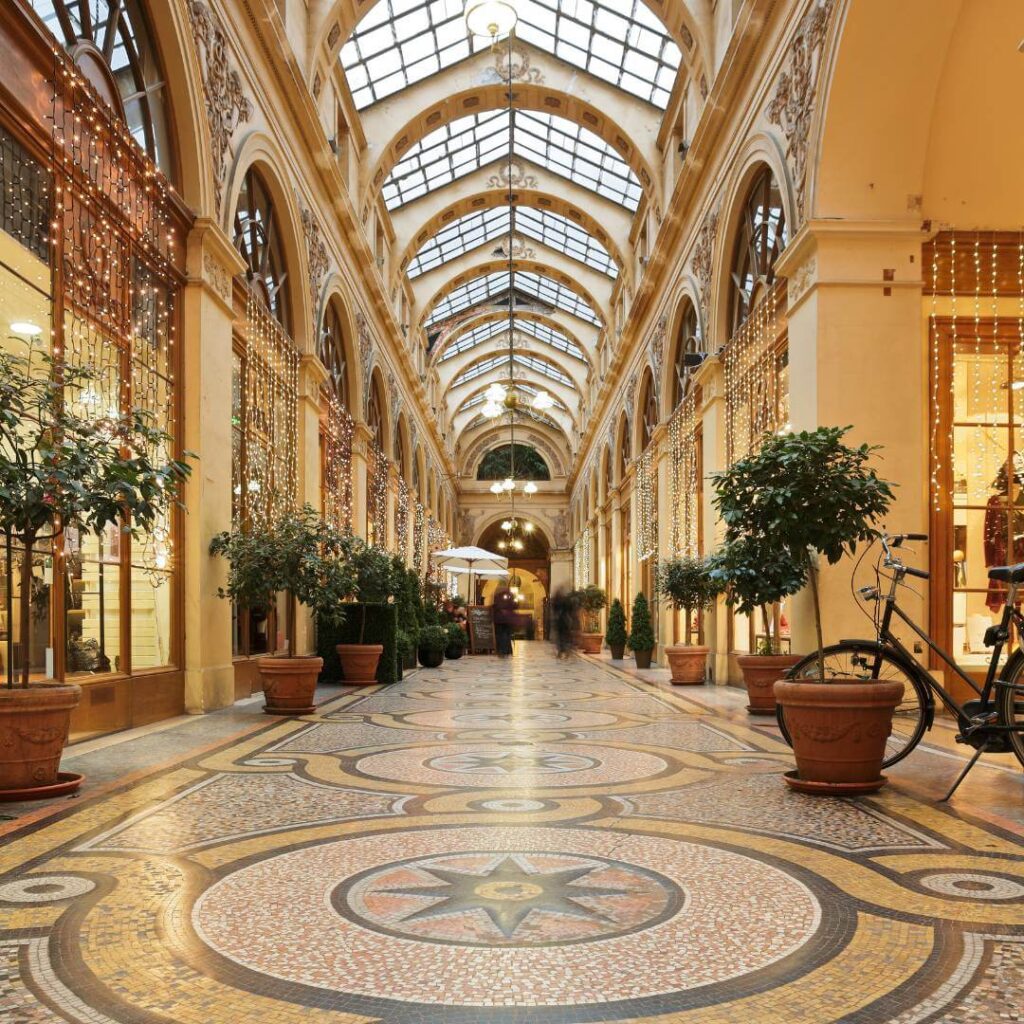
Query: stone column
[858, 355]
[662, 467]
[207, 318]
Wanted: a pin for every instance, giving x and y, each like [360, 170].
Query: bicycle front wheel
[1010, 705]
[866, 660]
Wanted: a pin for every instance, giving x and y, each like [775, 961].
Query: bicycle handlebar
[921, 574]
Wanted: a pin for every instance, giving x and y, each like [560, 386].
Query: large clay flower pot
[838, 731]
[618, 651]
[643, 658]
[359, 663]
[289, 684]
[590, 643]
[430, 659]
[688, 664]
[760, 671]
[34, 725]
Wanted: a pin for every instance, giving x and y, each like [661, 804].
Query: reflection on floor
[526, 841]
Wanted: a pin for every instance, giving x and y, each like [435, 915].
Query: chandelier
[515, 531]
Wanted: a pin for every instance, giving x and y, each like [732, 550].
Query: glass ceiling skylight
[499, 329]
[477, 229]
[482, 288]
[400, 42]
[469, 143]
[527, 393]
[540, 366]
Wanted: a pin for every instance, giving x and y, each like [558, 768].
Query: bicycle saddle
[1008, 573]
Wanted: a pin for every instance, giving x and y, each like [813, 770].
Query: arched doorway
[530, 563]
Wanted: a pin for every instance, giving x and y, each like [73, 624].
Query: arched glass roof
[499, 328]
[401, 42]
[537, 286]
[541, 366]
[527, 392]
[476, 229]
[554, 143]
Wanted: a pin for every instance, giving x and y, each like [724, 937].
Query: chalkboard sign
[481, 629]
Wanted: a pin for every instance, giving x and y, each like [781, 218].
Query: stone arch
[544, 438]
[402, 447]
[686, 300]
[642, 430]
[489, 317]
[623, 452]
[379, 398]
[335, 298]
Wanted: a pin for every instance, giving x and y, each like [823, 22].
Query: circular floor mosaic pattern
[510, 767]
[593, 917]
[511, 718]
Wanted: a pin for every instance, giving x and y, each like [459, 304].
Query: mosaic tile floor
[500, 842]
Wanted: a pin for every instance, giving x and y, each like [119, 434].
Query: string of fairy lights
[684, 477]
[645, 494]
[337, 465]
[977, 361]
[402, 518]
[582, 557]
[418, 537]
[377, 497]
[113, 275]
[269, 477]
[437, 540]
[756, 399]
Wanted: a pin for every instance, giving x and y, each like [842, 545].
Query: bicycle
[991, 723]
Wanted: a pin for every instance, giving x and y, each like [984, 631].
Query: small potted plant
[804, 496]
[690, 585]
[375, 583]
[755, 579]
[433, 642]
[591, 600]
[61, 465]
[300, 555]
[456, 641]
[615, 636]
[641, 636]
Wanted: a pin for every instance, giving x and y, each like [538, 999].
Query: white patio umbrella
[471, 560]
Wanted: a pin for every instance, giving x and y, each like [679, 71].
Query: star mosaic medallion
[512, 762]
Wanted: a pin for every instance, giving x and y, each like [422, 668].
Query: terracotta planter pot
[359, 663]
[643, 659]
[590, 643]
[760, 671]
[618, 651]
[839, 731]
[688, 664]
[577, 638]
[33, 732]
[430, 659]
[289, 684]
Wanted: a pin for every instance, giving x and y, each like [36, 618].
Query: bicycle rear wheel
[1010, 705]
[866, 660]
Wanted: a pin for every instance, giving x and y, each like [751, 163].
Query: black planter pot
[454, 653]
[430, 659]
[618, 651]
[643, 659]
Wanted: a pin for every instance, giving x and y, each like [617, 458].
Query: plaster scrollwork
[657, 348]
[703, 260]
[522, 69]
[394, 396]
[365, 354]
[414, 437]
[792, 104]
[216, 276]
[521, 249]
[227, 106]
[519, 177]
[801, 280]
[316, 253]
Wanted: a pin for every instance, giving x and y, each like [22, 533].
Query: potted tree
[456, 641]
[300, 555]
[591, 600]
[805, 496]
[690, 585]
[755, 579]
[433, 641]
[615, 636]
[375, 583]
[576, 633]
[62, 466]
[641, 636]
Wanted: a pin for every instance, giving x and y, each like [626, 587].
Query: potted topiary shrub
[755, 579]
[804, 496]
[615, 635]
[300, 555]
[375, 583]
[433, 641]
[62, 466]
[691, 586]
[576, 633]
[641, 636]
[591, 600]
[456, 641]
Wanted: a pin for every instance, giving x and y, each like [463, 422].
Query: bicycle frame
[1002, 636]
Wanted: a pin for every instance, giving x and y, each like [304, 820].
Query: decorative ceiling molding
[366, 354]
[703, 260]
[316, 254]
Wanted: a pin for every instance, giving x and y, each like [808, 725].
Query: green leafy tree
[641, 636]
[376, 581]
[591, 600]
[456, 636]
[497, 464]
[803, 495]
[298, 554]
[615, 635]
[690, 585]
[60, 465]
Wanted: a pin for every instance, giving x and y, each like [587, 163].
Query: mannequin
[997, 550]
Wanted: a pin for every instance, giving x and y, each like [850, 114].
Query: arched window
[374, 415]
[112, 45]
[401, 459]
[258, 239]
[688, 342]
[332, 354]
[648, 413]
[609, 466]
[760, 239]
[521, 461]
[624, 448]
